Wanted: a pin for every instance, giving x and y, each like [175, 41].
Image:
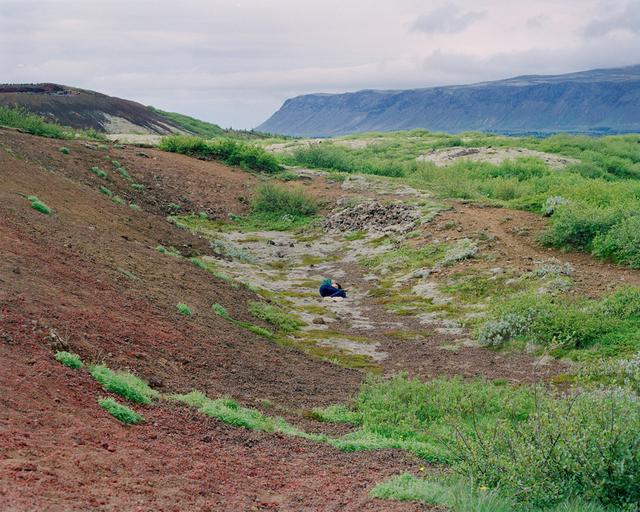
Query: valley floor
[89, 278]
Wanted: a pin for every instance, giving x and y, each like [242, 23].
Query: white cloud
[446, 19]
[235, 62]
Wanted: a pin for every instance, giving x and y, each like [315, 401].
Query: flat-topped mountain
[601, 100]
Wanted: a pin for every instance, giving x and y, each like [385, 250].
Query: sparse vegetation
[229, 151]
[17, 117]
[69, 359]
[183, 309]
[105, 191]
[120, 412]
[64, 151]
[282, 321]
[230, 412]
[125, 384]
[221, 310]
[98, 172]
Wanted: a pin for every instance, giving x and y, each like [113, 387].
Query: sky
[235, 62]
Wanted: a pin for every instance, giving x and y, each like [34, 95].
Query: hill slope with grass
[606, 100]
[89, 110]
[163, 341]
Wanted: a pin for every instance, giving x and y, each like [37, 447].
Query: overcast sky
[235, 62]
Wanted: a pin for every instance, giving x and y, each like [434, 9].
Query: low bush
[64, 151]
[120, 412]
[124, 384]
[338, 158]
[621, 243]
[576, 226]
[69, 359]
[283, 321]
[270, 199]
[229, 151]
[105, 191]
[584, 445]
[610, 326]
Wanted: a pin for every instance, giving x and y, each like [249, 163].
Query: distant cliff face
[606, 100]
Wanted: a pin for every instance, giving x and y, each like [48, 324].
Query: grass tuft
[120, 412]
[69, 359]
[124, 384]
[183, 309]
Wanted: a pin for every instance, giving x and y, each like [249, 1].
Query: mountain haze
[602, 100]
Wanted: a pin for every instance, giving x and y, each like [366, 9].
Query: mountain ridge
[601, 100]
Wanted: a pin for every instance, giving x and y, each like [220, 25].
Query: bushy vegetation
[610, 326]
[120, 412]
[69, 359]
[592, 203]
[64, 151]
[535, 449]
[462, 495]
[279, 208]
[338, 158]
[229, 151]
[125, 384]
[281, 320]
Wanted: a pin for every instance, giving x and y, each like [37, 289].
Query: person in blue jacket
[330, 288]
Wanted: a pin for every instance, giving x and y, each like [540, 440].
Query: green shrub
[621, 243]
[229, 151]
[273, 199]
[577, 226]
[40, 207]
[183, 309]
[457, 494]
[120, 412]
[338, 158]
[549, 321]
[124, 384]
[106, 191]
[64, 151]
[69, 359]
[585, 445]
[135, 207]
[98, 172]
[118, 200]
[137, 186]
[623, 304]
[283, 321]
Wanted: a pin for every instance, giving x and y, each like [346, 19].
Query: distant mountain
[83, 109]
[601, 100]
